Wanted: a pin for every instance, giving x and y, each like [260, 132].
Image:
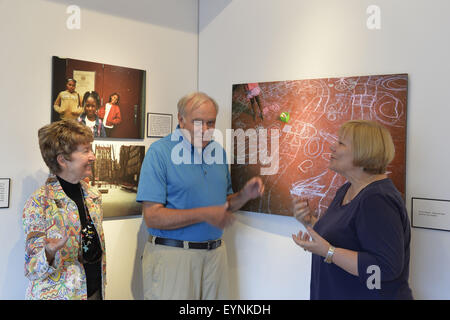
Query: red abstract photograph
[305, 116]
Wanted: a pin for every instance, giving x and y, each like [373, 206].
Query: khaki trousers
[184, 274]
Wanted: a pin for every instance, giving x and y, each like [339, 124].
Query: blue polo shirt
[180, 177]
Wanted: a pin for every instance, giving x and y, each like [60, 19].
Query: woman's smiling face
[341, 160]
[80, 164]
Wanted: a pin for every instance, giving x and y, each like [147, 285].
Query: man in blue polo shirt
[187, 202]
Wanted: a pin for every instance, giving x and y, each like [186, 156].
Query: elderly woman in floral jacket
[62, 220]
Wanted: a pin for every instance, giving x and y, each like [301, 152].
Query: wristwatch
[330, 253]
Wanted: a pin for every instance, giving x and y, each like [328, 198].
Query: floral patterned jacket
[48, 213]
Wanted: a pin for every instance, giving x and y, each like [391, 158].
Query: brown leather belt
[206, 245]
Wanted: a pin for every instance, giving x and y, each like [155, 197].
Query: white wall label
[4, 193]
[430, 213]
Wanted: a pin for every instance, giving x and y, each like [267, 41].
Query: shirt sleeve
[153, 178]
[380, 232]
[57, 103]
[229, 185]
[34, 224]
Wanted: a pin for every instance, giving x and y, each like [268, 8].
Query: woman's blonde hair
[62, 138]
[373, 148]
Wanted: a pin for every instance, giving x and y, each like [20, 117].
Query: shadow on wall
[14, 284]
[229, 237]
[209, 10]
[137, 288]
[173, 14]
[11, 287]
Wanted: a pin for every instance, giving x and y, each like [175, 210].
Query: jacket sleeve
[35, 225]
[117, 116]
[57, 104]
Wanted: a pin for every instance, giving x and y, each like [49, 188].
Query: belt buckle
[213, 244]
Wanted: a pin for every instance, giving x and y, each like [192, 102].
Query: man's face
[196, 122]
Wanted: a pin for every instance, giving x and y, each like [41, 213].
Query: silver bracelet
[330, 253]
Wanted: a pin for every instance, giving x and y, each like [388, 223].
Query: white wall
[159, 36]
[274, 40]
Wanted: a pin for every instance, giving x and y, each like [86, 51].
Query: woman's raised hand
[303, 213]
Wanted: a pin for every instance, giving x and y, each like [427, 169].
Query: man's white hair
[195, 100]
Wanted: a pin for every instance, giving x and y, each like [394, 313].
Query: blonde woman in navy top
[361, 244]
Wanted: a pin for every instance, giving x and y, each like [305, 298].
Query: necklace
[86, 231]
[90, 249]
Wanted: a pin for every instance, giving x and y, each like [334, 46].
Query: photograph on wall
[116, 173]
[301, 119]
[109, 99]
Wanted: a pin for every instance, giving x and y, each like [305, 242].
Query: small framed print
[159, 125]
[430, 213]
[4, 192]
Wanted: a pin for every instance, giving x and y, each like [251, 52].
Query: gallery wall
[159, 36]
[267, 40]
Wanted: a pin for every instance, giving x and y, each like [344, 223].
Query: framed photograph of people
[4, 192]
[159, 125]
[109, 99]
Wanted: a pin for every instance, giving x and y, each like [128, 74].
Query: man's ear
[180, 121]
